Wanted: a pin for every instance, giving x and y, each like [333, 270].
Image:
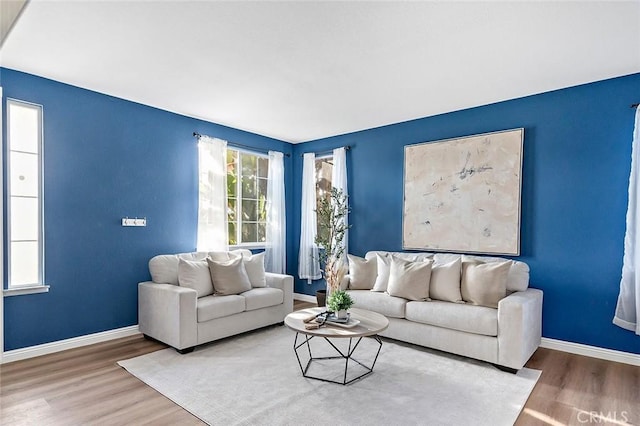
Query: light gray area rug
[255, 379]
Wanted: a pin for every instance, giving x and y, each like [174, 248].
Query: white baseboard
[591, 351]
[63, 345]
[304, 297]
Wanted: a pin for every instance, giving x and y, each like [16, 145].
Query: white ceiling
[9, 11]
[299, 71]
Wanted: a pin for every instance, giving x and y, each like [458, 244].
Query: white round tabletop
[371, 323]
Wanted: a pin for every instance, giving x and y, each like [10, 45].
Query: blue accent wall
[107, 158]
[577, 158]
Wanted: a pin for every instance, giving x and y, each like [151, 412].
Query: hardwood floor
[86, 386]
[578, 390]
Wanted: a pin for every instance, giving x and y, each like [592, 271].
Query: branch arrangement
[332, 213]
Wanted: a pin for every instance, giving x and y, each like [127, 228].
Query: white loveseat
[506, 336]
[175, 315]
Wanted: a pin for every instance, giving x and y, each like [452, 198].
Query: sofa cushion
[378, 302]
[164, 267]
[414, 257]
[229, 277]
[445, 281]
[443, 258]
[212, 307]
[484, 284]
[221, 256]
[456, 316]
[257, 298]
[362, 272]
[518, 279]
[254, 265]
[195, 275]
[409, 280]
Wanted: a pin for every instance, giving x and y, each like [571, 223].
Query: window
[24, 198]
[247, 195]
[324, 171]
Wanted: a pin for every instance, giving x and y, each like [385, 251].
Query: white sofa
[176, 316]
[506, 336]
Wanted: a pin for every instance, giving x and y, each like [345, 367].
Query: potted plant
[331, 213]
[339, 302]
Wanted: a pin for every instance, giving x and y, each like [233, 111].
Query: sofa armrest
[284, 283]
[167, 313]
[519, 327]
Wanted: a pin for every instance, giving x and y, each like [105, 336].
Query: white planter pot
[341, 313]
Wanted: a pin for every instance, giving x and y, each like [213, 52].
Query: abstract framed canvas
[463, 194]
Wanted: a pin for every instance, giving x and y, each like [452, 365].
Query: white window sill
[248, 246]
[19, 291]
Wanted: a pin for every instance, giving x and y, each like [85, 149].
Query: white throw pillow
[445, 281]
[518, 278]
[409, 280]
[195, 275]
[229, 277]
[383, 265]
[484, 284]
[362, 272]
[254, 265]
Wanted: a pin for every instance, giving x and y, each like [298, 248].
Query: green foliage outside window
[324, 169]
[247, 197]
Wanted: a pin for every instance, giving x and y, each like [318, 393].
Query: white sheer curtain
[212, 199]
[628, 308]
[276, 252]
[308, 262]
[339, 181]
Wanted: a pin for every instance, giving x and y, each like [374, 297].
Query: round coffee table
[371, 323]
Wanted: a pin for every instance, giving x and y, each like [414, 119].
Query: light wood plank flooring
[85, 386]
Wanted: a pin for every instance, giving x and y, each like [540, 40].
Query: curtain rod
[239, 145]
[329, 151]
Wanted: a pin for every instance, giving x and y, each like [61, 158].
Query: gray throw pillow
[362, 272]
[229, 277]
[445, 282]
[484, 284]
[195, 275]
[409, 280]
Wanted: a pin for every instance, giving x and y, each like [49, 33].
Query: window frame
[39, 286]
[239, 198]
